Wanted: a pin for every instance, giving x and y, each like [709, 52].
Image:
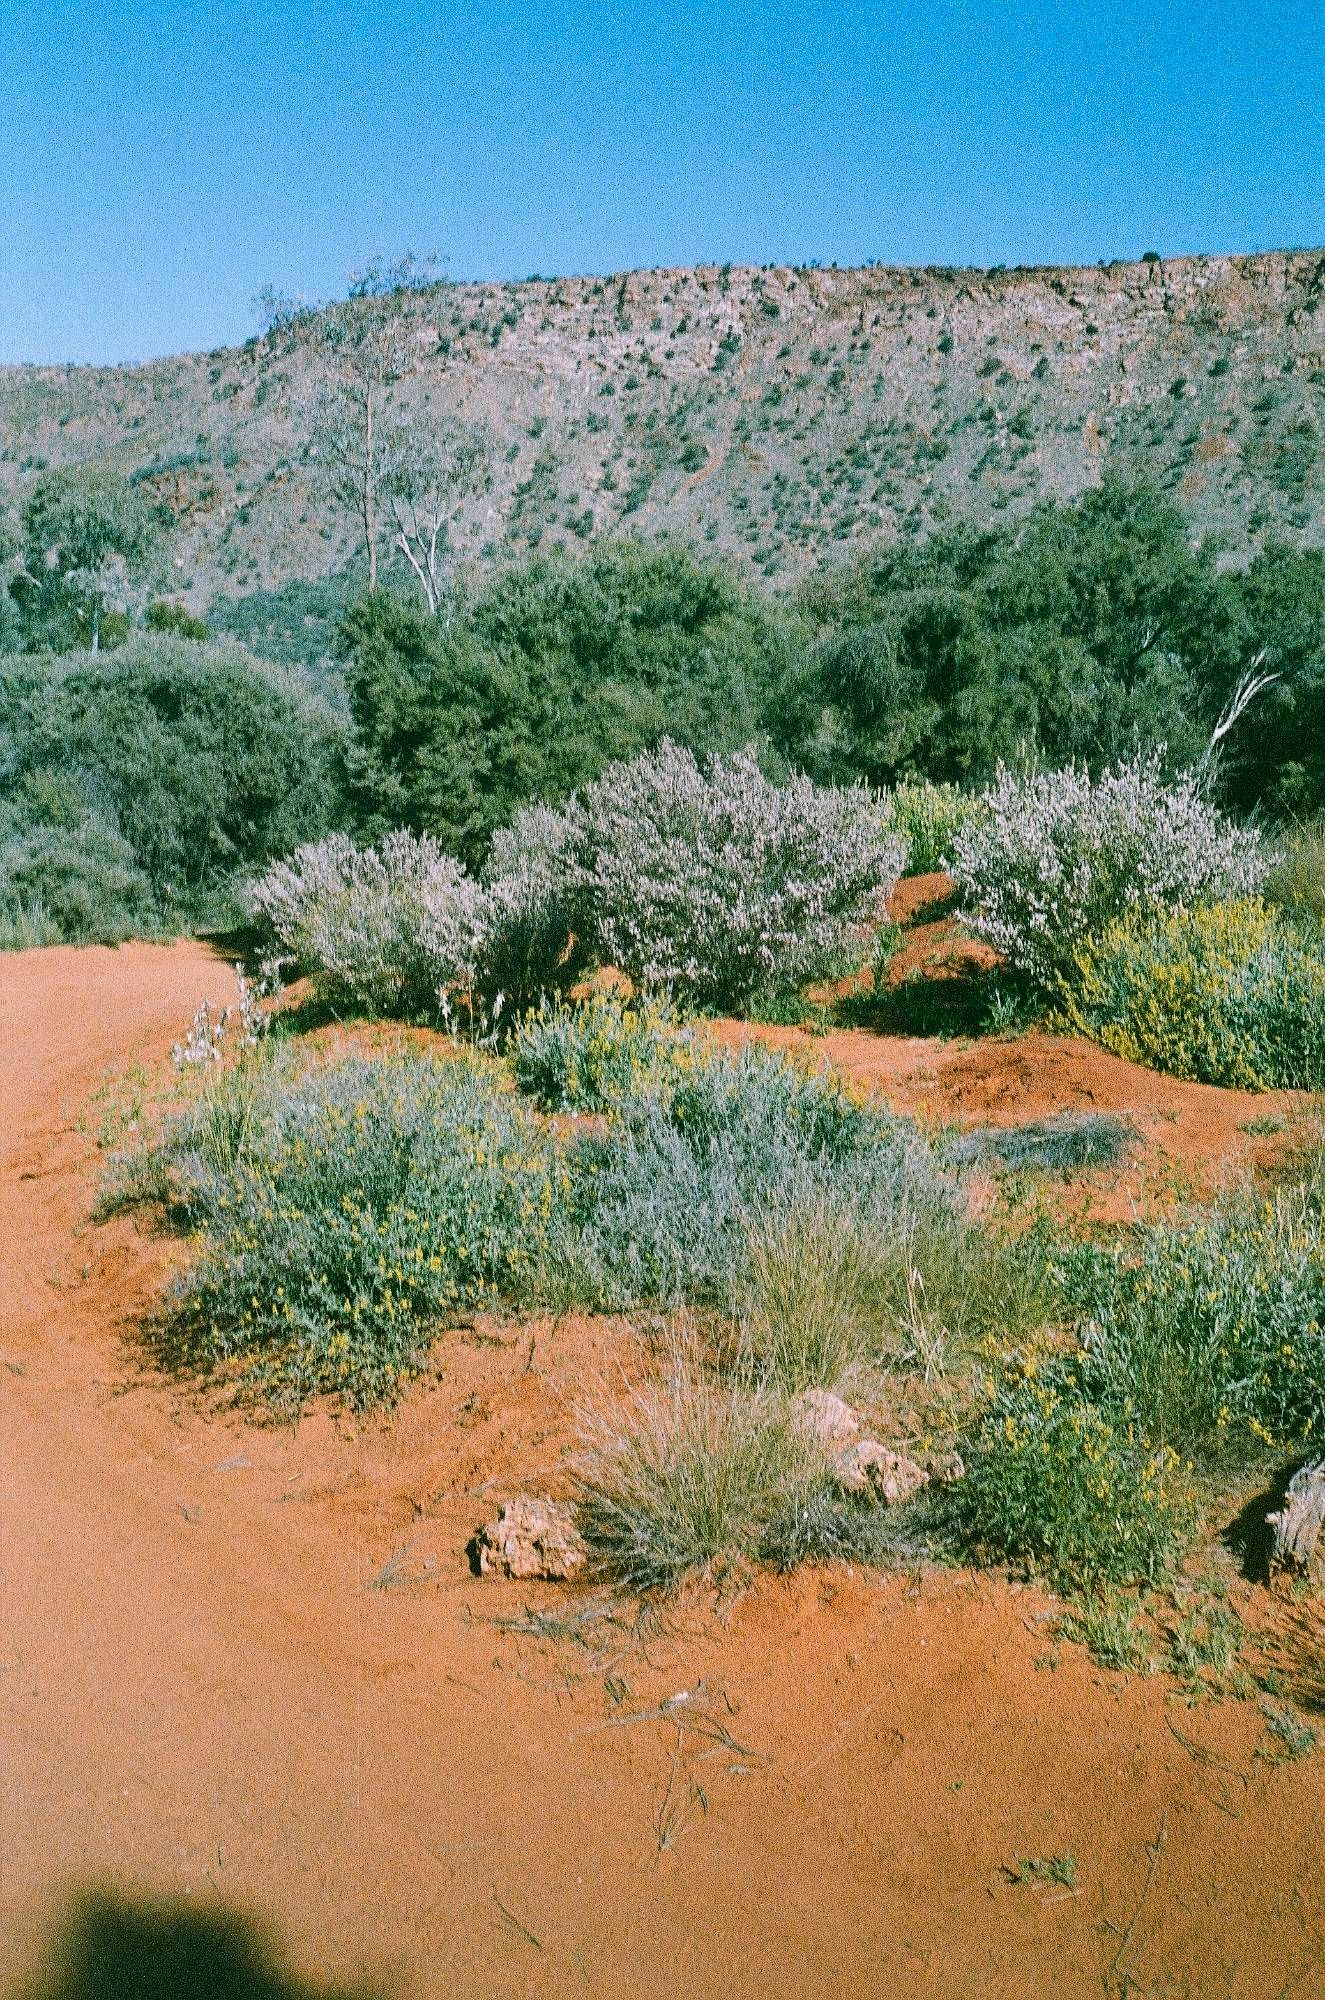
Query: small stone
[531, 1537]
[871, 1467]
[819, 1414]
[945, 1468]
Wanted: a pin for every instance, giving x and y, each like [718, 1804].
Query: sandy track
[202, 1695]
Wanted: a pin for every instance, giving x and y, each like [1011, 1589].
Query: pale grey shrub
[386, 927]
[1057, 856]
[718, 884]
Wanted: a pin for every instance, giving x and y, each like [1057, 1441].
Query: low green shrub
[1212, 1329]
[73, 884]
[140, 783]
[1231, 993]
[345, 1211]
[344, 1208]
[595, 1054]
[664, 1196]
[1076, 1491]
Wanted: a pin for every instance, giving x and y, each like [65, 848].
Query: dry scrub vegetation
[1085, 1403]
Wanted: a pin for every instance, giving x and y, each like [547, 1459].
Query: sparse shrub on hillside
[1059, 856]
[164, 616]
[385, 928]
[719, 885]
[1229, 993]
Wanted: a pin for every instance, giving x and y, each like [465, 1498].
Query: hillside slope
[774, 415]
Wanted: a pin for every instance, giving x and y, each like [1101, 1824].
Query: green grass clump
[697, 1480]
[1229, 993]
[1297, 881]
[593, 1055]
[346, 1211]
[1072, 1488]
[827, 1292]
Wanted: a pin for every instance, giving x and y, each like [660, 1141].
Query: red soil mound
[249, 1666]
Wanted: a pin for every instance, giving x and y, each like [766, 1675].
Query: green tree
[85, 541]
[554, 670]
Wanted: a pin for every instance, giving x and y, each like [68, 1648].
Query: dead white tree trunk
[1298, 1523]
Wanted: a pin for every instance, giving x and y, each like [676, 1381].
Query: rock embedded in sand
[871, 1467]
[531, 1538]
[819, 1414]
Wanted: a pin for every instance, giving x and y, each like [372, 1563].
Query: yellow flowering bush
[374, 1197]
[594, 1055]
[1075, 1490]
[1230, 993]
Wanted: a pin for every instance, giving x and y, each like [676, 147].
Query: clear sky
[160, 163]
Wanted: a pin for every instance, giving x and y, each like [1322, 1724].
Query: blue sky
[159, 164]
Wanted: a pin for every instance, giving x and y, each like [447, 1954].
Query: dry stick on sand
[1155, 1849]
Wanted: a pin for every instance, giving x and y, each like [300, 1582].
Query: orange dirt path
[203, 1695]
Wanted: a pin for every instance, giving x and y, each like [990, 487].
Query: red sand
[204, 1697]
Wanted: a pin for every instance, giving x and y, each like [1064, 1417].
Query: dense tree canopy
[553, 671]
[1077, 633]
[183, 763]
[145, 779]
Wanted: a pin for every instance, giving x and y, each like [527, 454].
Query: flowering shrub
[1071, 1488]
[370, 1198]
[928, 817]
[718, 884]
[534, 941]
[343, 1209]
[1061, 855]
[1231, 994]
[1212, 1327]
[664, 1197]
[591, 1056]
[385, 927]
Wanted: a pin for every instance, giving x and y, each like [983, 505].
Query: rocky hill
[775, 415]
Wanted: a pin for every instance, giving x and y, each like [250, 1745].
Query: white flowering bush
[387, 928]
[1059, 856]
[718, 884]
[535, 941]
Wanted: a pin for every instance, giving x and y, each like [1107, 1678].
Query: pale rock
[531, 1537]
[819, 1414]
[871, 1467]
